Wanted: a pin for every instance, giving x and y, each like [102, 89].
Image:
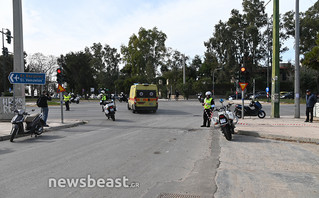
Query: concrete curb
[278, 137]
[7, 137]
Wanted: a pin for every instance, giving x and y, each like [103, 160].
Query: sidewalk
[284, 128]
[5, 127]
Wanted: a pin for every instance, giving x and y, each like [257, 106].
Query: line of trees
[244, 39]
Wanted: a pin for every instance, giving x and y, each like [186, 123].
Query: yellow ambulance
[143, 97]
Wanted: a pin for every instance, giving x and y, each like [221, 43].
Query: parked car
[233, 97]
[289, 95]
[258, 95]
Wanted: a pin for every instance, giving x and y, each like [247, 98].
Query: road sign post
[243, 87]
[60, 90]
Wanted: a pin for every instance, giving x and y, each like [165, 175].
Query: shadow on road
[5, 151]
[243, 138]
[42, 138]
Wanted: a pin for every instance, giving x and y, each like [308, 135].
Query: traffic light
[5, 51]
[59, 76]
[243, 74]
[8, 34]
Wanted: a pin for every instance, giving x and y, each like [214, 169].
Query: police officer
[67, 101]
[209, 105]
[104, 98]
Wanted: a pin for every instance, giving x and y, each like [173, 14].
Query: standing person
[67, 101]
[176, 94]
[103, 99]
[310, 103]
[43, 103]
[209, 105]
[169, 95]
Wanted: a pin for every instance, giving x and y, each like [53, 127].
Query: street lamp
[214, 80]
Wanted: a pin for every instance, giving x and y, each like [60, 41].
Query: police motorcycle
[225, 120]
[249, 111]
[75, 99]
[123, 98]
[33, 123]
[109, 108]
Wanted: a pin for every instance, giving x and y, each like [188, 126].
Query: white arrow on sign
[12, 77]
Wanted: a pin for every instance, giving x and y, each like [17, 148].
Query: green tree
[105, 64]
[144, 54]
[309, 27]
[312, 61]
[6, 63]
[78, 73]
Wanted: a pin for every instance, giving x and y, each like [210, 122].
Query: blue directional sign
[27, 78]
[267, 89]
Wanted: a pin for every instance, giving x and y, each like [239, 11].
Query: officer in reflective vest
[67, 101]
[209, 105]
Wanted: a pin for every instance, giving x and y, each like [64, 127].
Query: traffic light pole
[242, 103]
[61, 104]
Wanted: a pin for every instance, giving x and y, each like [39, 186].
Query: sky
[62, 26]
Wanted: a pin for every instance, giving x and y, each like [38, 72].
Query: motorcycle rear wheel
[113, 117]
[39, 130]
[227, 133]
[261, 114]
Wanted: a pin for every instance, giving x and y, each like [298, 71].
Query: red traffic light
[59, 71]
[242, 69]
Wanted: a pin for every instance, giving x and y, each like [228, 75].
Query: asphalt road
[166, 152]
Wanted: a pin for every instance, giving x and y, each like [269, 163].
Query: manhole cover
[169, 195]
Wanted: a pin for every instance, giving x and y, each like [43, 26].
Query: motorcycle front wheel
[227, 132]
[14, 132]
[261, 114]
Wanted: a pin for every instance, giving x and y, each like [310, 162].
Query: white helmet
[103, 92]
[208, 93]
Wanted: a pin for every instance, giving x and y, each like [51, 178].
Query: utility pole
[297, 64]
[18, 60]
[275, 103]
[184, 76]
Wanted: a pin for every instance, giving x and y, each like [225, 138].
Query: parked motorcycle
[33, 124]
[248, 111]
[123, 98]
[109, 109]
[226, 120]
[200, 97]
[75, 99]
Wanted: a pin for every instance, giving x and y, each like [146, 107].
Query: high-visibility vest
[66, 98]
[104, 97]
[207, 102]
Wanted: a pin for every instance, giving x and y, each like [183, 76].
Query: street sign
[60, 89]
[27, 78]
[243, 86]
[267, 89]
